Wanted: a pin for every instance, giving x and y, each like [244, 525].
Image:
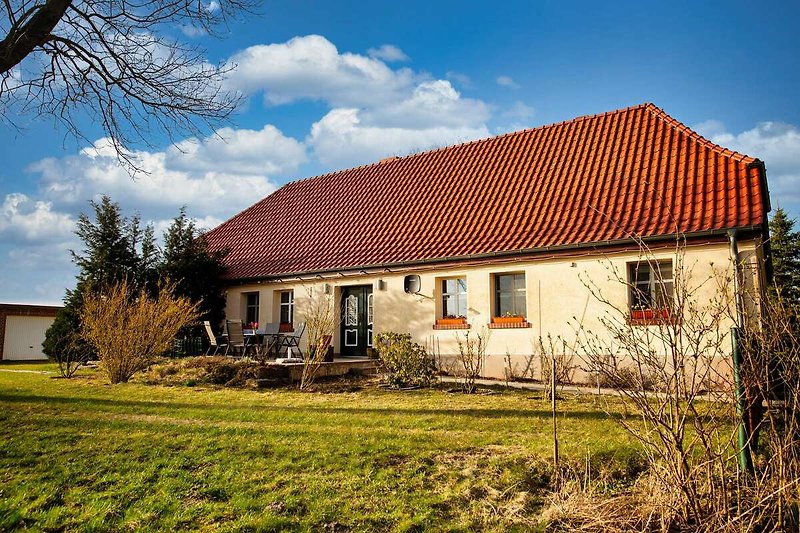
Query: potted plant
[451, 320]
[508, 319]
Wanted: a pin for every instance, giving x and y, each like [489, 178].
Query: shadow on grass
[375, 411]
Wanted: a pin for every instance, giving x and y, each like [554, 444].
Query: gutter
[754, 228]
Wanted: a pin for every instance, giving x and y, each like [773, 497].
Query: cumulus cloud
[341, 139]
[216, 176]
[242, 151]
[375, 110]
[388, 53]
[506, 81]
[24, 220]
[775, 143]
[431, 104]
[311, 67]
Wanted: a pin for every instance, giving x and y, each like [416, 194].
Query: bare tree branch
[117, 62]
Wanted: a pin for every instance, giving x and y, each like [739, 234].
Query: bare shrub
[555, 351]
[321, 318]
[70, 352]
[771, 380]
[515, 371]
[407, 363]
[663, 370]
[130, 329]
[471, 352]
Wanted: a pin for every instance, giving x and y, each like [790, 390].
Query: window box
[649, 314]
[458, 322]
[508, 322]
[286, 327]
[451, 321]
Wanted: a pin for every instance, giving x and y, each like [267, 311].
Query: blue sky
[335, 84]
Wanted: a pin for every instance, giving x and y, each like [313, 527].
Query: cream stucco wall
[557, 297]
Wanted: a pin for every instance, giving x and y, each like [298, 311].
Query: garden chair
[271, 339]
[236, 338]
[214, 343]
[293, 341]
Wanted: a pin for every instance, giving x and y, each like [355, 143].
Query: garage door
[24, 337]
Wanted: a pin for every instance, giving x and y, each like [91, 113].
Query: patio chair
[293, 341]
[271, 339]
[236, 338]
[214, 343]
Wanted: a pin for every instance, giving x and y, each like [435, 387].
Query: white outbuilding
[22, 330]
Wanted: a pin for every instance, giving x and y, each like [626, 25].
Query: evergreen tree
[196, 271]
[785, 247]
[115, 249]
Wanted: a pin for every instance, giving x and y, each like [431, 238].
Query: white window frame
[650, 287]
[288, 305]
[460, 296]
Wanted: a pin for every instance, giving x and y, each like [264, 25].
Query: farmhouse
[502, 235]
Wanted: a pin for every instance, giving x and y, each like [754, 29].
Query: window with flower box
[650, 290]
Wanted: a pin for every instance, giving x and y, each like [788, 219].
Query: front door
[356, 334]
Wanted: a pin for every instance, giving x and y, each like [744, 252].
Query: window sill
[509, 325]
[463, 325]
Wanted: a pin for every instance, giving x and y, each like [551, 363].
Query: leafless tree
[471, 353]
[320, 312]
[117, 62]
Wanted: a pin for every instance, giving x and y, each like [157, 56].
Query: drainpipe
[745, 459]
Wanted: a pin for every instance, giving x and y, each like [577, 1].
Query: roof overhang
[599, 247]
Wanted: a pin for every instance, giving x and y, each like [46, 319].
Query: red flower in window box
[506, 320]
[451, 321]
[649, 314]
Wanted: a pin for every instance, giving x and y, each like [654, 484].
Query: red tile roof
[634, 171]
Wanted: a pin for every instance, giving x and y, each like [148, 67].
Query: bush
[63, 343]
[130, 329]
[407, 363]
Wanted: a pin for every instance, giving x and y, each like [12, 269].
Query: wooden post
[553, 405]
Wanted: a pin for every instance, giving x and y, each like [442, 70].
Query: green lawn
[82, 454]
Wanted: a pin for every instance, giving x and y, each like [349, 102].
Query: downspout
[743, 451]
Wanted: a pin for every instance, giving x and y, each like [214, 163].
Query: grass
[80, 454]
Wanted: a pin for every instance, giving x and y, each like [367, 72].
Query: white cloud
[375, 110]
[311, 67]
[388, 53]
[506, 81]
[265, 151]
[340, 139]
[24, 220]
[775, 143]
[214, 176]
[431, 104]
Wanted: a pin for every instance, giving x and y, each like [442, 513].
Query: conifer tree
[785, 247]
[196, 271]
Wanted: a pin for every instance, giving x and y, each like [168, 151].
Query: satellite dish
[412, 284]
